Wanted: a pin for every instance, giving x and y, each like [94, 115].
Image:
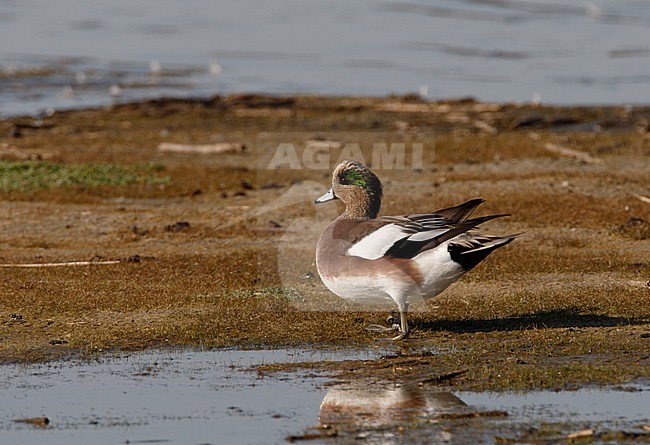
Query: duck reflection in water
[358, 406]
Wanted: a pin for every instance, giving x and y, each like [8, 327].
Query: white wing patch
[427, 235]
[376, 244]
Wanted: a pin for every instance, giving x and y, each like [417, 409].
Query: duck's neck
[363, 206]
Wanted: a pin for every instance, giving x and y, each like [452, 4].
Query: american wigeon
[395, 259]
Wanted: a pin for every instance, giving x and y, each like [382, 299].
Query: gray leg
[402, 327]
[404, 324]
[382, 329]
[393, 325]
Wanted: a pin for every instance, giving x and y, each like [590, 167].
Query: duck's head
[358, 188]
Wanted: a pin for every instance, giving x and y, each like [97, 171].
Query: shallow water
[65, 54]
[404, 414]
[214, 397]
[176, 397]
[606, 407]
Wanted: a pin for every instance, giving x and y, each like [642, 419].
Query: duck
[396, 260]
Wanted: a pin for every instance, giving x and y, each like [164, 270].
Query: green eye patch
[354, 177]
